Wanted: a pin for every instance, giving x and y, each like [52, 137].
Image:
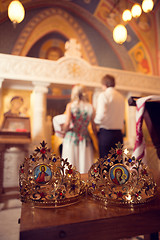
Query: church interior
[55, 45]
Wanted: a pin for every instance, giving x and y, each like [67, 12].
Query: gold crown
[121, 179]
[49, 181]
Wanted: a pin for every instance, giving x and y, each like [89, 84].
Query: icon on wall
[15, 107]
[140, 59]
[52, 49]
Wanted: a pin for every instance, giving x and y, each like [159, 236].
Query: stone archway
[50, 20]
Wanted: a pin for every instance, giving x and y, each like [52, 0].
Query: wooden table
[89, 220]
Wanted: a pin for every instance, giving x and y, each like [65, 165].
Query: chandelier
[126, 15]
[120, 31]
[147, 5]
[136, 10]
[16, 12]
[120, 34]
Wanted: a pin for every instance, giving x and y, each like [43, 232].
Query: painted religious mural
[45, 32]
[138, 30]
[52, 49]
[139, 57]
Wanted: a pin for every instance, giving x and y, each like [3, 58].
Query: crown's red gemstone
[70, 171]
[42, 194]
[144, 172]
[43, 150]
[119, 152]
[119, 194]
[103, 193]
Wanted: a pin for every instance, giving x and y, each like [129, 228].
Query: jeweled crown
[121, 179]
[49, 181]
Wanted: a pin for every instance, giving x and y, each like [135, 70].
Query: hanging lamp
[120, 34]
[16, 12]
[147, 5]
[126, 15]
[136, 10]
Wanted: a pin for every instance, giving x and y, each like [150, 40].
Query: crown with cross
[120, 179]
[46, 180]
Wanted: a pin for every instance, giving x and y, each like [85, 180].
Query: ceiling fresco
[89, 5]
[97, 16]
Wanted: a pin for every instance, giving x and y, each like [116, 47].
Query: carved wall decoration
[69, 70]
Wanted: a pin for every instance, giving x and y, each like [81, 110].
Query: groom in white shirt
[109, 116]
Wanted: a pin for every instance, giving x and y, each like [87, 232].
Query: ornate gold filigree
[121, 179]
[49, 181]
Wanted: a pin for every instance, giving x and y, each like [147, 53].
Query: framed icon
[119, 174]
[42, 174]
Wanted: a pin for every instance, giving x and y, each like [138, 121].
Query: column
[39, 112]
[13, 158]
[1, 81]
[1, 146]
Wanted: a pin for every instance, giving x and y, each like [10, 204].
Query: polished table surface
[88, 219]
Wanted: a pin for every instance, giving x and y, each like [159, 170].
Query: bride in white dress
[77, 144]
